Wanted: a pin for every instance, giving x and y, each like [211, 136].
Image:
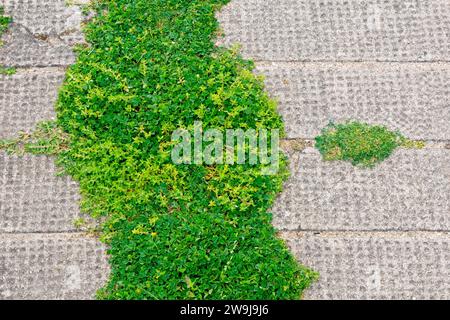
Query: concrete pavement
[381, 233]
[42, 254]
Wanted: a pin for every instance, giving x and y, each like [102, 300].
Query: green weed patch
[4, 21]
[361, 144]
[46, 139]
[4, 24]
[174, 231]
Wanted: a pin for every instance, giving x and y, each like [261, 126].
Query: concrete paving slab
[22, 49]
[26, 98]
[33, 198]
[42, 33]
[410, 97]
[44, 17]
[375, 265]
[51, 266]
[409, 191]
[337, 30]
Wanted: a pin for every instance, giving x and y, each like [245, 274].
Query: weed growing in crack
[4, 24]
[46, 139]
[4, 21]
[360, 143]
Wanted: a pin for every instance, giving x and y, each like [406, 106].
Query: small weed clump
[46, 139]
[4, 21]
[7, 71]
[4, 24]
[361, 144]
[174, 231]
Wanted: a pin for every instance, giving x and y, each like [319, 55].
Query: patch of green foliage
[46, 139]
[360, 143]
[4, 21]
[4, 24]
[174, 231]
[8, 71]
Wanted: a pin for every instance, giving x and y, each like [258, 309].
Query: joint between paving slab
[292, 145]
[41, 232]
[40, 68]
[40, 235]
[445, 63]
[292, 235]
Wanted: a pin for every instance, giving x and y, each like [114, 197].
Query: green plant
[360, 143]
[79, 223]
[46, 139]
[4, 21]
[174, 231]
[4, 24]
[412, 144]
[8, 71]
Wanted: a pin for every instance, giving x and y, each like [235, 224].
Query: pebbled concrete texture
[51, 266]
[43, 255]
[337, 30]
[410, 97]
[42, 33]
[27, 98]
[408, 191]
[45, 17]
[33, 198]
[361, 266]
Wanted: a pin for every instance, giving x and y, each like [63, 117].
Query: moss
[360, 143]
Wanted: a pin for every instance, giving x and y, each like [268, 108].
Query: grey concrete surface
[23, 49]
[45, 17]
[28, 97]
[33, 198]
[375, 265]
[408, 191]
[337, 30]
[410, 97]
[41, 254]
[51, 266]
[42, 33]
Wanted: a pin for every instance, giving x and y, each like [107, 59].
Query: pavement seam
[14, 236]
[292, 235]
[308, 61]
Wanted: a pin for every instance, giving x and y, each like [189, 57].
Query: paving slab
[27, 98]
[408, 191]
[51, 266]
[44, 17]
[42, 33]
[375, 266]
[410, 97]
[33, 198]
[23, 49]
[42, 256]
[338, 30]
